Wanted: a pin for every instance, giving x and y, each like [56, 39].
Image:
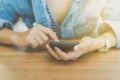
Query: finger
[52, 52]
[32, 42]
[37, 38]
[85, 43]
[53, 36]
[81, 46]
[79, 53]
[50, 33]
[74, 55]
[43, 36]
[76, 47]
[62, 54]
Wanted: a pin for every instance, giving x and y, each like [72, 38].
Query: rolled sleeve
[8, 13]
[5, 23]
[115, 26]
[111, 19]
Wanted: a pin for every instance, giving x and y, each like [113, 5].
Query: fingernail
[46, 45]
[57, 40]
[76, 48]
[55, 48]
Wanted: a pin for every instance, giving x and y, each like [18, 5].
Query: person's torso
[77, 20]
[59, 9]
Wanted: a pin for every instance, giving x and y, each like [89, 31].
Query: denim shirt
[85, 17]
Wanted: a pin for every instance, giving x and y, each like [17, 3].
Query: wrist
[98, 42]
[14, 38]
[107, 44]
[18, 39]
[109, 41]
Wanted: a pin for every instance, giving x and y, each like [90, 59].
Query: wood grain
[30, 64]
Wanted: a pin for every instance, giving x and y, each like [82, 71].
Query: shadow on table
[24, 49]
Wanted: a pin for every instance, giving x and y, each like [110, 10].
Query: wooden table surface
[30, 64]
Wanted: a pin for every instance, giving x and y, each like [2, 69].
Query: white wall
[20, 26]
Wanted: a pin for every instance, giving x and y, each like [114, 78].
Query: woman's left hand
[87, 44]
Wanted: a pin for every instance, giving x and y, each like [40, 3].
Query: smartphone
[64, 46]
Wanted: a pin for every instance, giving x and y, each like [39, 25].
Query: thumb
[76, 48]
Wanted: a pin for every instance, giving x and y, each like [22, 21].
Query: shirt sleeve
[111, 19]
[8, 14]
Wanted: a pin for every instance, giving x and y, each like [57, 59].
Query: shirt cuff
[5, 23]
[115, 26]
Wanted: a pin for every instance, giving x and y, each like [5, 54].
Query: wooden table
[29, 64]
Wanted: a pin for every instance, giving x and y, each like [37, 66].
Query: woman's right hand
[36, 36]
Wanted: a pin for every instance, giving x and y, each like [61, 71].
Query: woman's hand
[36, 36]
[82, 48]
[87, 44]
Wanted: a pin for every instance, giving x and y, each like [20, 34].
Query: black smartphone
[64, 46]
